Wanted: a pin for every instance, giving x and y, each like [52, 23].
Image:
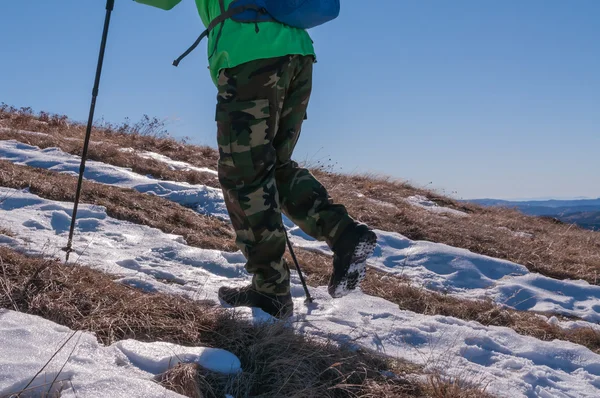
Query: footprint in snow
[34, 224]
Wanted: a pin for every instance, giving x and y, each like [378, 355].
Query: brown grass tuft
[6, 232]
[440, 387]
[183, 378]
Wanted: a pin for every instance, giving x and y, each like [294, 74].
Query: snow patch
[535, 292]
[27, 342]
[425, 203]
[159, 357]
[203, 199]
[139, 255]
[10, 130]
[518, 234]
[381, 203]
[439, 266]
[173, 164]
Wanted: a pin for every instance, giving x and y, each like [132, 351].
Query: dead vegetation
[146, 135]
[276, 361]
[555, 250]
[123, 204]
[6, 232]
[207, 232]
[109, 152]
[185, 379]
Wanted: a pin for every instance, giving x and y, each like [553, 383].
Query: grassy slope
[556, 250]
[559, 251]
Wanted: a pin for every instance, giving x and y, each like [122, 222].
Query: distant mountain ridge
[582, 212]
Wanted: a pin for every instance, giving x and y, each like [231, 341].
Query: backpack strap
[222, 24]
[220, 20]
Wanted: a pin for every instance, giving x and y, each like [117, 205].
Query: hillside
[582, 212]
[460, 300]
[584, 219]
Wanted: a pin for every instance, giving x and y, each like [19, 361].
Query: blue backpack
[303, 14]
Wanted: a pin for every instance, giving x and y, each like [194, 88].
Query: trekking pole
[308, 297]
[110, 4]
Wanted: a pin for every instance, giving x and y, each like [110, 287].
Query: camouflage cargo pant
[260, 109]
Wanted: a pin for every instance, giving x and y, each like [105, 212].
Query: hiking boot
[280, 307]
[350, 255]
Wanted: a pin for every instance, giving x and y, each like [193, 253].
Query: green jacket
[239, 42]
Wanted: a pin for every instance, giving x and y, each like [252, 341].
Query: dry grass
[183, 379]
[146, 135]
[276, 361]
[84, 299]
[109, 152]
[207, 232]
[440, 387]
[123, 204]
[556, 250]
[7, 232]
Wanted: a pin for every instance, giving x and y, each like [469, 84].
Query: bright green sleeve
[163, 4]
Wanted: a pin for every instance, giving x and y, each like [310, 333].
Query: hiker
[263, 73]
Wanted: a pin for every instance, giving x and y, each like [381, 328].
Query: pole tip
[67, 250]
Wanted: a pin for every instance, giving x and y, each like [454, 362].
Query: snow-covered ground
[143, 257]
[435, 266]
[204, 199]
[513, 365]
[173, 164]
[78, 366]
[25, 132]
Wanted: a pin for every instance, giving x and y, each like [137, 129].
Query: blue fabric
[304, 14]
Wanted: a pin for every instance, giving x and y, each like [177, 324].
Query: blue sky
[485, 99]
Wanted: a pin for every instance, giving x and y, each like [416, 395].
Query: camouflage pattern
[260, 109]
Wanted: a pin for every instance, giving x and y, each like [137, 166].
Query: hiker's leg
[303, 198]
[247, 118]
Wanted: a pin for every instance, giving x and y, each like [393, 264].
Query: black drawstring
[192, 48]
[220, 20]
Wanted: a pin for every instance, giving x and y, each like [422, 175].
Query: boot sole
[357, 269]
